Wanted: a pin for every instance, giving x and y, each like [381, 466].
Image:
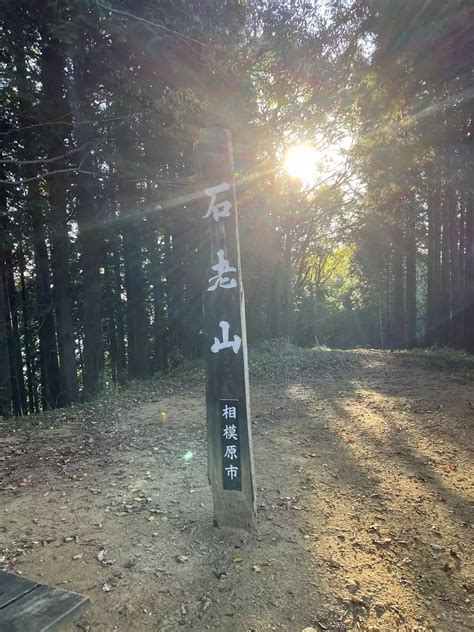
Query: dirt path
[364, 465]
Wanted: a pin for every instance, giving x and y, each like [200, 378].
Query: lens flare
[300, 162]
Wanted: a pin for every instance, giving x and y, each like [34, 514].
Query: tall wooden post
[230, 457]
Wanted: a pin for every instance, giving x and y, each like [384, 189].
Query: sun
[301, 162]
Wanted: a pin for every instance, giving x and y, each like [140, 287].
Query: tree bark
[469, 275]
[445, 290]
[434, 265]
[90, 235]
[25, 306]
[456, 329]
[119, 314]
[5, 384]
[135, 281]
[410, 284]
[398, 312]
[468, 179]
[20, 405]
[54, 105]
[49, 366]
[50, 375]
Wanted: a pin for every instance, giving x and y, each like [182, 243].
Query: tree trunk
[468, 179]
[50, 375]
[385, 293]
[398, 313]
[54, 105]
[5, 385]
[410, 284]
[175, 288]
[434, 265]
[20, 405]
[49, 366]
[109, 319]
[32, 400]
[456, 329]
[469, 274]
[445, 294]
[90, 235]
[119, 314]
[135, 282]
[160, 324]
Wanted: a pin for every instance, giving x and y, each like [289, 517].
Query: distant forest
[100, 105]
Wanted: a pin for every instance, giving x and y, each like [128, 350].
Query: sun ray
[301, 162]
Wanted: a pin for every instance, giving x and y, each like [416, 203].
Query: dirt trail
[364, 466]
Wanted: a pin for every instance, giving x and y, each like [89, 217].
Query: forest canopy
[352, 126]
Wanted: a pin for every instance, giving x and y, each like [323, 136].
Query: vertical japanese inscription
[229, 433]
[230, 430]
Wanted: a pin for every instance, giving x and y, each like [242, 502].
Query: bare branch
[45, 175]
[12, 161]
[164, 28]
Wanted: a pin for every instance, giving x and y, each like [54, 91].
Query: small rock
[355, 601]
[130, 564]
[380, 608]
[352, 586]
[181, 559]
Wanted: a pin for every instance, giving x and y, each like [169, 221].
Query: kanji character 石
[221, 209]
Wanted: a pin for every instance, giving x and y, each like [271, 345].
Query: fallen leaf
[257, 568]
[447, 467]
[237, 560]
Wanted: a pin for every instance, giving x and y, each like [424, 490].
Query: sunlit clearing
[300, 162]
[188, 456]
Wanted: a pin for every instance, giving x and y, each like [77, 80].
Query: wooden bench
[26, 606]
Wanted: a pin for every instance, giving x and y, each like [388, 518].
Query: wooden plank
[42, 610]
[230, 462]
[13, 587]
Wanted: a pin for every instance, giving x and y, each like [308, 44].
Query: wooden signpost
[230, 457]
